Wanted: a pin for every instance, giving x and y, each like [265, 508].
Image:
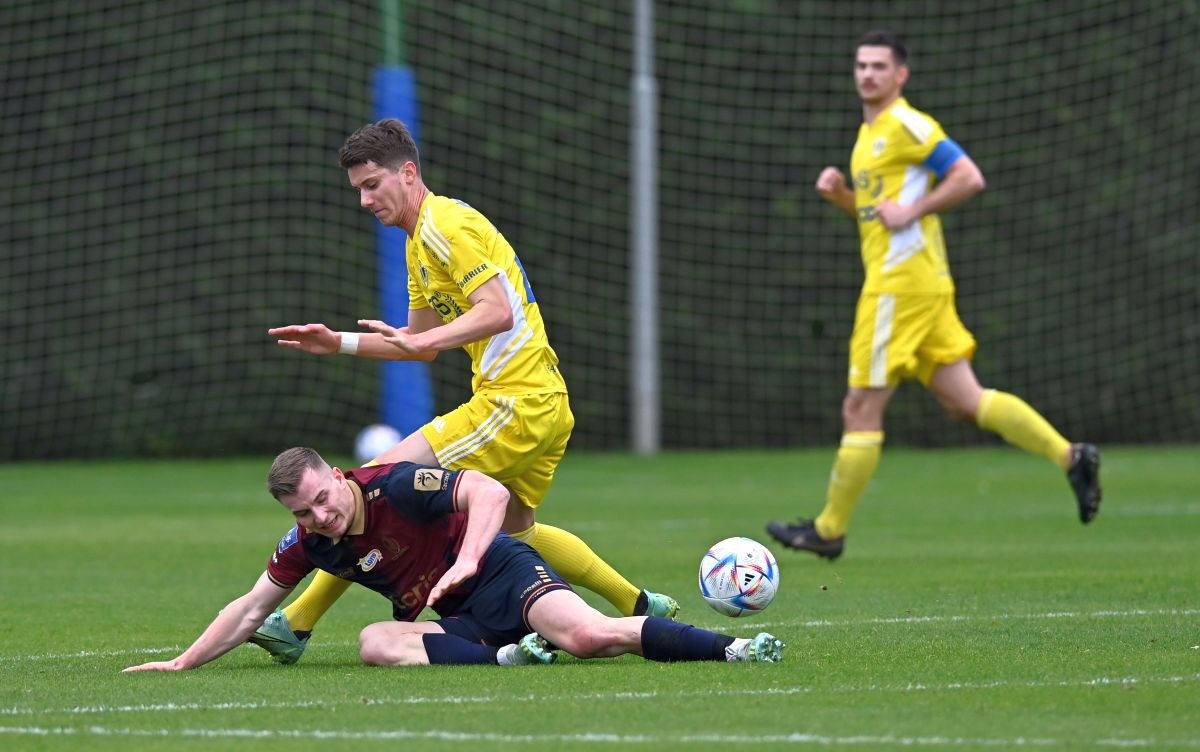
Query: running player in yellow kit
[467, 289]
[905, 170]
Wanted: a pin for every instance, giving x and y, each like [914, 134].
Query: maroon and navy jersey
[411, 534]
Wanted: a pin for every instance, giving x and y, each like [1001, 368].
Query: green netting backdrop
[169, 189]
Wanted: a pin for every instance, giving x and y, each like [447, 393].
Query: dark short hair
[884, 38]
[288, 468]
[387, 143]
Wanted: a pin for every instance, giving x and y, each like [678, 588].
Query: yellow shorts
[897, 337]
[518, 439]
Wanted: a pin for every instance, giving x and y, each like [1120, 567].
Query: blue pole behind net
[406, 396]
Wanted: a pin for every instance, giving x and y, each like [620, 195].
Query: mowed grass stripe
[757, 623]
[600, 738]
[822, 689]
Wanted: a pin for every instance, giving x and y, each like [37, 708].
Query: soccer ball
[373, 441]
[738, 576]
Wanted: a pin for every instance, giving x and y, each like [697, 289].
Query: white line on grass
[983, 617]
[89, 654]
[1130, 613]
[595, 738]
[1102, 681]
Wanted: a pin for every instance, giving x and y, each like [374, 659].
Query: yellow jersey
[453, 250]
[899, 156]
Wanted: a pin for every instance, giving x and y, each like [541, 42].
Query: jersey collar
[900, 102]
[360, 510]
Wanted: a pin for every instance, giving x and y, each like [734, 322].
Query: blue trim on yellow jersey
[943, 155]
[525, 278]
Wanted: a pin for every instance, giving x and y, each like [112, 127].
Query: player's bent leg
[668, 641]
[412, 448]
[1020, 425]
[579, 565]
[563, 618]
[396, 643]
[567, 621]
[956, 388]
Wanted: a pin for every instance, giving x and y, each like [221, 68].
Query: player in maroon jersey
[427, 536]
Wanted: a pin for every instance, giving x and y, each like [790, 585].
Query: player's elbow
[972, 177]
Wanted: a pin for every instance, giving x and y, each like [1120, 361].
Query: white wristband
[349, 345]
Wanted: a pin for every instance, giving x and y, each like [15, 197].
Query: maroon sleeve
[289, 564]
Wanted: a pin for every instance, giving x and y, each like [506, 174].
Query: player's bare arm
[831, 184]
[962, 181]
[233, 625]
[485, 501]
[489, 314]
[319, 339]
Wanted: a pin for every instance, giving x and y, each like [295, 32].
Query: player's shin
[452, 649]
[668, 641]
[1021, 425]
[857, 458]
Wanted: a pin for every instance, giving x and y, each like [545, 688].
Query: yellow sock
[579, 565]
[1022, 426]
[304, 612]
[857, 458]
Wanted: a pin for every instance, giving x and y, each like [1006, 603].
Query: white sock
[509, 655]
[738, 650]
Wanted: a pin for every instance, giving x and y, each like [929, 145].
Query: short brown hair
[884, 38]
[387, 143]
[288, 468]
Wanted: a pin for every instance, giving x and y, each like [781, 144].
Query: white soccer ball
[738, 576]
[373, 441]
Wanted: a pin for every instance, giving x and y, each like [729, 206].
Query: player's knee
[858, 412]
[850, 408]
[377, 648]
[370, 646]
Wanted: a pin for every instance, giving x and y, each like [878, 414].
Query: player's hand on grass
[395, 336]
[456, 575]
[154, 666]
[317, 339]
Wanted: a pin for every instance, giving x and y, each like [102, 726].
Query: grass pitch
[971, 610]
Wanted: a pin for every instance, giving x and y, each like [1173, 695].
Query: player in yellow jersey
[467, 289]
[904, 171]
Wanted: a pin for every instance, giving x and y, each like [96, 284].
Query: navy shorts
[511, 580]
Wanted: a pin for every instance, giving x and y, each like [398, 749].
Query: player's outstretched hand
[153, 666]
[454, 576]
[317, 339]
[398, 337]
